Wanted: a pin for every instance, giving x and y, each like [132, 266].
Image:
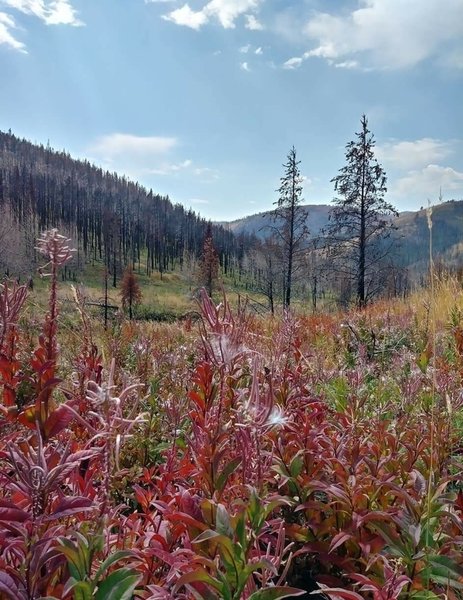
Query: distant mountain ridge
[260, 224]
[412, 235]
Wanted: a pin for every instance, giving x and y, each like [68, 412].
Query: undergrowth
[230, 457]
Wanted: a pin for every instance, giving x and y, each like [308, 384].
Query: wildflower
[276, 418]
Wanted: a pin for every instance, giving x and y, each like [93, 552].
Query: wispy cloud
[131, 154]
[295, 62]
[226, 12]
[247, 49]
[427, 182]
[407, 155]
[170, 169]
[252, 23]
[385, 34]
[245, 66]
[142, 157]
[115, 145]
[418, 169]
[53, 12]
[7, 24]
[206, 174]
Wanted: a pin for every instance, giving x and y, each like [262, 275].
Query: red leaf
[58, 420]
[198, 400]
[27, 417]
[8, 587]
[340, 594]
[10, 512]
[70, 506]
[339, 539]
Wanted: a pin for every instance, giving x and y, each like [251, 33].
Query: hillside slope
[109, 217]
[411, 237]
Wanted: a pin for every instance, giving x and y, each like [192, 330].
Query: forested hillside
[116, 222]
[109, 217]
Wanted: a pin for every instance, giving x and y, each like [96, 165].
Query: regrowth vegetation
[238, 458]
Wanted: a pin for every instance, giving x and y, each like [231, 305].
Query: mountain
[411, 237]
[108, 217]
[116, 222]
[413, 231]
[261, 224]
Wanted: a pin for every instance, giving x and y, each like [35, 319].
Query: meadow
[230, 455]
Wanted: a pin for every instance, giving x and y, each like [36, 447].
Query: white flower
[276, 418]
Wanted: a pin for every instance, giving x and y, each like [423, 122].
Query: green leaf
[227, 471]
[200, 576]
[240, 530]
[120, 585]
[82, 590]
[222, 521]
[445, 571]
[110, 560]
[257, 566]
[76, 562]
[296, 465]
[276, 592]
[423, 360]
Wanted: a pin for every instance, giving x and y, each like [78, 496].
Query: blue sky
[203, 100]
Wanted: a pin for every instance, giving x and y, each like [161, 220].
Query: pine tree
[130, 291]
[290, 222]
[361, 219]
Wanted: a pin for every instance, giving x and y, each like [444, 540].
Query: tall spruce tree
[360, 222]
[290, 222]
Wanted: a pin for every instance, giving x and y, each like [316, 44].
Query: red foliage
[271, 463]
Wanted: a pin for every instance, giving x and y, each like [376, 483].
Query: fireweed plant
[240, 459]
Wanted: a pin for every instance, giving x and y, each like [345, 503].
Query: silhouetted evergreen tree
[290, 219]
[360, 220]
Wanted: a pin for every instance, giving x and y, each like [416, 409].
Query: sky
[202, 100]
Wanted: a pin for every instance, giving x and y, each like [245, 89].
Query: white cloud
[53, 12]
[346, 64]
[293, 63]
[131, 154]
[252, 23]
[427, 182]
[6, 37]
[171, 169]
[245, 49]
[258, 51]
[224, 11]
[409, 155]
[142, 157]
[124, 144]
[245, 66]
[208, 175]
[187, 17]
[387, 33]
